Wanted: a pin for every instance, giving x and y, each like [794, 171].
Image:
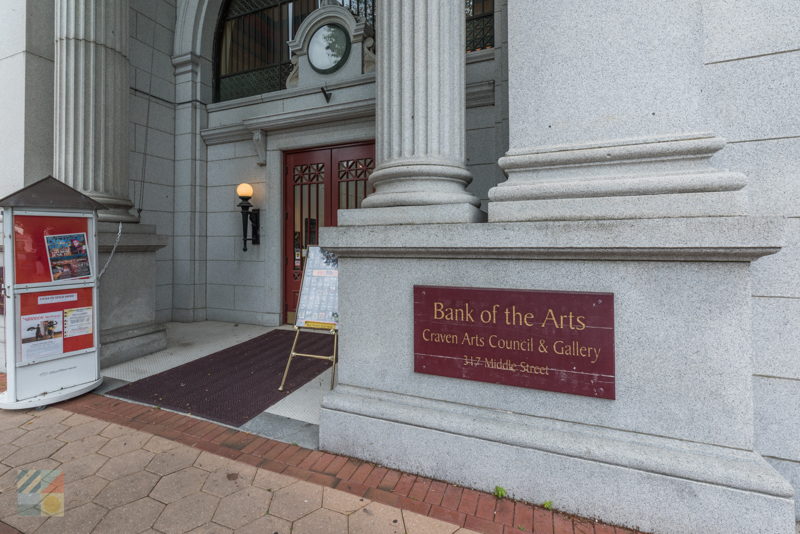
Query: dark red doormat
[235, 384]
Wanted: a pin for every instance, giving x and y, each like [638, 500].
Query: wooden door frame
[285, 217]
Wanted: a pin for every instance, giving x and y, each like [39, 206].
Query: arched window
[252, 56]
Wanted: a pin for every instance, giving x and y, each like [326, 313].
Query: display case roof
[49, 193]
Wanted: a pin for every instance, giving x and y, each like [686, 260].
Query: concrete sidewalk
[135, 468]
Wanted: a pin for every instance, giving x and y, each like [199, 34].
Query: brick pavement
[459, 507]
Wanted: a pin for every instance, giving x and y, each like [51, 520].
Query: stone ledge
[697, 462]
[113, 335]
[413, 216]
[121, 344]
[134, 238]
[616, 494]
[672, 239]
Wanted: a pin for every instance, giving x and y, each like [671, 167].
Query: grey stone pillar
[421, 174]
[91, 102]
[606, 115]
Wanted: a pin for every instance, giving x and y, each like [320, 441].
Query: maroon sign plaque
[551, 340]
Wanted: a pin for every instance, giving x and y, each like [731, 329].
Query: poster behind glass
[319, 294]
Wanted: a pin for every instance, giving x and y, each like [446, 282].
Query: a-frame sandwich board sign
[52, 337]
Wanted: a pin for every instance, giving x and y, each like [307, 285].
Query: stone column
[421, 174]
[91, 102]
[606, 116]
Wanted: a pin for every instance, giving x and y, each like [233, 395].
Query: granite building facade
[646, 150]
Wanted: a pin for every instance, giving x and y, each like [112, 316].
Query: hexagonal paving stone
[272, 481]
[8, 503]
[44, 418]
[32, 453]
[211, 462]
[24, 523]
[83, 491]
[39, 435]
[340, 501]
[242, 507]
[76, 449]
[187, 514]
[82, 467]
[81, 520]
[92, 428]
[420, 524]
[125, 464]
[11, 419]
[124, 444]
[211, 528]
[171, 461]
[131, 518]
[321, 521]
[158, 444]
[230, 479]
[377, 517]
[178, 485]
[114, 430]
[77, 419]
[127, 489]
[7, 449]
[8, 435]
[267, 525]
[297, 500]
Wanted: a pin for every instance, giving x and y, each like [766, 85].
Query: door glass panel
[320, 208]
[304, 216]
[352, 175]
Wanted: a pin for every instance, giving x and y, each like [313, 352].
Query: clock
[328, 48]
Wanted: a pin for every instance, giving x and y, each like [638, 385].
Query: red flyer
[55, 323]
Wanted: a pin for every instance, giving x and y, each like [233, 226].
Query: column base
[118, 210]
[645, 482]
[130, 342]
[442, 213]
[117, 214]
[717, 204]
[128, 328]
[668, 176]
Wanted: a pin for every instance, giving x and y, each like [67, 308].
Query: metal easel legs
[331, 358]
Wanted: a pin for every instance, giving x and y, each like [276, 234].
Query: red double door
[317, 183]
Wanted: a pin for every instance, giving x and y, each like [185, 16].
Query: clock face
[328, 48]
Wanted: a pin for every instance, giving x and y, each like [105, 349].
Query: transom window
[252, 54]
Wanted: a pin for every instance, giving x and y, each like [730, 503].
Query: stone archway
[192, 58]
[194, 32]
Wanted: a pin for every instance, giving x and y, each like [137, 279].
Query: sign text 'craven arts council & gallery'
[550, 340]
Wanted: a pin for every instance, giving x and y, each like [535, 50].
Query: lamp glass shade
[244, 190]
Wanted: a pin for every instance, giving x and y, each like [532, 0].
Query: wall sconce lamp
[245, 192]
